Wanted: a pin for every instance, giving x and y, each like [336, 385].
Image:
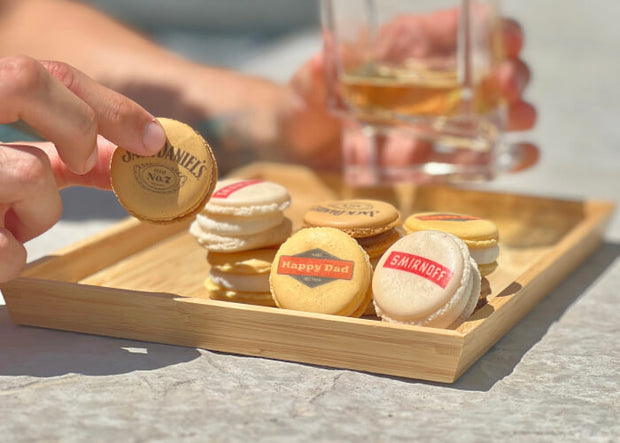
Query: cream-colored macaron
[236, 243]
[426, 278]
[243, 215]
[248, 197]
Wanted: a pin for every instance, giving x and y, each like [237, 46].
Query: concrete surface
[554, 377]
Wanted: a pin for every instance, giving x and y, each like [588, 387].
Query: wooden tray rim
[466, 337]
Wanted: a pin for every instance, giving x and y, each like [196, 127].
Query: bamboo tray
[145, 282]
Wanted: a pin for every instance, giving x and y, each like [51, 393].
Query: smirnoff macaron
[173, 184]
[321, 270]
[426, 278]
[480, 235]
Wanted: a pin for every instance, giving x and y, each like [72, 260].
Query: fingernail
[154, 137]
[92, 159]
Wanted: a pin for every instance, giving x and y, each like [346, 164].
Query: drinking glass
[415, 83]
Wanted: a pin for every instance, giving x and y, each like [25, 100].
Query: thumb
[97, 177]
[309, 81]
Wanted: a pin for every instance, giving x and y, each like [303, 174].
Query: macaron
[255, 261]
[170, 186]
[241, 276]
[480, 235]
[248, 198]
[217, 292]
[243, 215]
[426, 278]
[236, 243]
[321, 270]
[372, 223]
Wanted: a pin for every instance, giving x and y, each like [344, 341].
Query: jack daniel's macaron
[171, 185]
[426, 278]
[371, 222]
[480, 235]
[321, 270]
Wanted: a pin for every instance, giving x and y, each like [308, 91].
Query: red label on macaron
[233, 187]
[316, 267]
[421, 266]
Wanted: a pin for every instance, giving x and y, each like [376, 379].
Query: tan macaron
[480, 235]
[371, 222]
[170, 186]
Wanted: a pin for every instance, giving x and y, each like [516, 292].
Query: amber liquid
[383, 91]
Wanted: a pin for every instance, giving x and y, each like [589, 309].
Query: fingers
[31, 94]
[513, 37]
[118, 118]
[98, 177]
[28, 192]
[308, 81]
[521, 116]
[513, 78]
[30, 203]
[12, 255]
[69, 109]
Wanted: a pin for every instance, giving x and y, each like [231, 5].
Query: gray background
[554, 377]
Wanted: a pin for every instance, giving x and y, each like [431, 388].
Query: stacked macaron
[426, 278]
[241, 227]
[322, 270]
[372, 223]
[480, 235]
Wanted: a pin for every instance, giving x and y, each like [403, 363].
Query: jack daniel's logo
[193, 165]
[347, 208]
[158, 177]
[315, 267]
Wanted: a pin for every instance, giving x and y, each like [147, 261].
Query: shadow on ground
[38, 352]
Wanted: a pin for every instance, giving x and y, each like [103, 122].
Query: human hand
[75, 114]
[317, 133]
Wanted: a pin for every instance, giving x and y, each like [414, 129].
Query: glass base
[378, 155]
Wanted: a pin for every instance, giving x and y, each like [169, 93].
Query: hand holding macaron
[74, 113]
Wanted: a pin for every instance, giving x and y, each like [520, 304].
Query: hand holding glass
[416, 85]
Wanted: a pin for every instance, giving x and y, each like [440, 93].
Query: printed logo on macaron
[421, 266]
[233, 187]
[446, 217]
[158, 177]
[315, 267]
[346, 208]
